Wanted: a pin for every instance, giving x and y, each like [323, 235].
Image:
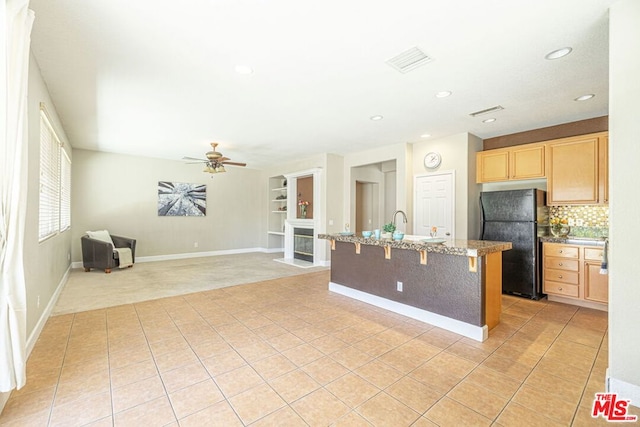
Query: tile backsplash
[585, 220]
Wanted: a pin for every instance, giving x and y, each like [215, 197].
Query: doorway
[434, 204]
[367, 203]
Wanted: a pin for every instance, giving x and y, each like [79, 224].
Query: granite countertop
[472, 248]
[575, 240]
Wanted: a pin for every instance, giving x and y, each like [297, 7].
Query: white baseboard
[478, 333]
[624, 389]
[35, 333]
[153, 258]
[273, 250]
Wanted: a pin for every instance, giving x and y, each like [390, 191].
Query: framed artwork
[181, 199]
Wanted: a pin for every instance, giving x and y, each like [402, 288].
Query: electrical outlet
[399, 286]
[330, 222]
[195, 244]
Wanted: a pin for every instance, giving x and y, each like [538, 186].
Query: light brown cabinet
[596, 285]
[577, 170]
[571, 274]
[510, 164]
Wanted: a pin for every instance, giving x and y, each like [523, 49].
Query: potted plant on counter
[388, 230]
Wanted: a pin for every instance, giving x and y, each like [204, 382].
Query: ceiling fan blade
[193, 163]
[193, 158]
[222, 159]
[234, 163]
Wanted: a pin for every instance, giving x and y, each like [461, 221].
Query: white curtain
[14, 71]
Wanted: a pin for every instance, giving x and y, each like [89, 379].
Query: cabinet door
[527, 162]
[596, 285]
[492, 166]
[573, 171]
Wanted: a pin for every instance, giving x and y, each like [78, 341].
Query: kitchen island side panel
[443, 286]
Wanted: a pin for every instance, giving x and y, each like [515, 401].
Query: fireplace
[303, 244]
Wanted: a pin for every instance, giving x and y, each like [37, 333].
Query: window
[55, 181]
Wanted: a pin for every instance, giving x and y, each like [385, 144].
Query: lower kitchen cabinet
[572, 275]
[596, 285]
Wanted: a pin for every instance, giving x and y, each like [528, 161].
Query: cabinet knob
[559, 264]
[560, 276]
[560, 251]
[559, 289]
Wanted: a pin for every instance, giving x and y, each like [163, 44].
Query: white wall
[46, 263]
[624, 152]
[458, 154]
[120, 193]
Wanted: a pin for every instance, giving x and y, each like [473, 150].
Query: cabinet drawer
[561, 289]
[570, 277]
[561, 251]
[561, 263]
[593, 253]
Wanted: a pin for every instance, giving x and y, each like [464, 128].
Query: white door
[434, 204]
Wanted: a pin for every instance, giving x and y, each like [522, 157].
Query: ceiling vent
[487, 111]
[409, 60]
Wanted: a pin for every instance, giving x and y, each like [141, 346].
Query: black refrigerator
[519, 217]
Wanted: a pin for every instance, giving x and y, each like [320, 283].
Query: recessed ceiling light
[243, 69]
[584, 97]
[376, 118]
[491, 120]
[443, 94]
[425, 135]
[558, 53]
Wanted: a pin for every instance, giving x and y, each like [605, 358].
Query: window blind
[65, 191]
[55, 182]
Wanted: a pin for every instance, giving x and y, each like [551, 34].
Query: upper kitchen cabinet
[511, 164]
[576, 170]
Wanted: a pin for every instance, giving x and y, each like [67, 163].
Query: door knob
[447, 234]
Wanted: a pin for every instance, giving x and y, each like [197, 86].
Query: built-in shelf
[277, 216]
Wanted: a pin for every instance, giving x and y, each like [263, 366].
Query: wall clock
[432, 160]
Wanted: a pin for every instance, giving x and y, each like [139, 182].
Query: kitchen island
[455, 285]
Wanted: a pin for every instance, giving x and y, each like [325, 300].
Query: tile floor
[288, 352]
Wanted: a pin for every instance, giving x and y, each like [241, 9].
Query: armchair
[99, 252]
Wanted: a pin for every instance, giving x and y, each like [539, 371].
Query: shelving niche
[277, 211]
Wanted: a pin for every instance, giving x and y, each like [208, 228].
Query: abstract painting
[180, 199]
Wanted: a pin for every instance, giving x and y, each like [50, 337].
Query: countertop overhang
[470, 248]
[575, 240]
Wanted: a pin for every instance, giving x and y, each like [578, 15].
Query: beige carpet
[153, 280]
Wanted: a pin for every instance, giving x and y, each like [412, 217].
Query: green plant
[389, 228]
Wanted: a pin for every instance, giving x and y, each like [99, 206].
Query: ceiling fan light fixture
[221, 168]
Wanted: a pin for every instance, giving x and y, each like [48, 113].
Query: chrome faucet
[404, 217]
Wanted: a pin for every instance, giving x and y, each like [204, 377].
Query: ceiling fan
[215, 161]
